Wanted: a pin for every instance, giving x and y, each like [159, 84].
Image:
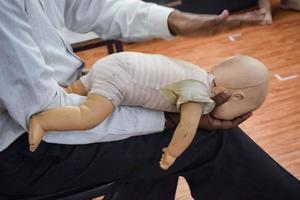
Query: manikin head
[246, 79]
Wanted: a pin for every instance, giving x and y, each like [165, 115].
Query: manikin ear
[237, 96]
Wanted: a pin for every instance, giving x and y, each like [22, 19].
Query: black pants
[210, 6]
[223, 165]
[215, 6]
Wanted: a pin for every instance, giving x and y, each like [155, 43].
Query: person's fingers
[210, 122]
[241, 119]
[221, 98]
[221, 124]
[262, 11]
[226, 124]
[219, 24]
[258, 16]
[255, 17]
[192, 25]
[224, 16]
[261, 16]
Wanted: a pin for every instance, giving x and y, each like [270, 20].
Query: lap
[55, 167]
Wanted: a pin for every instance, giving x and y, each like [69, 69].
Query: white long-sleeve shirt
[35, 60]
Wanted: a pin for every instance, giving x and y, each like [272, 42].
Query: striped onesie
[151, 81]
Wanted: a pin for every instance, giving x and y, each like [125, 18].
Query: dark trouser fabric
[210, 6]
[215, 6]
[218, 165]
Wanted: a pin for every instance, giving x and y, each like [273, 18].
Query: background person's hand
[188, 24]
[255, 17]
[208, 121]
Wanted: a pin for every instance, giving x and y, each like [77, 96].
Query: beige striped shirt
[151, 81]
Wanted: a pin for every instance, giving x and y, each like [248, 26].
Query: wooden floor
[276, 125]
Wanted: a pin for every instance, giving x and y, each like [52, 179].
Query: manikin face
[241, 101]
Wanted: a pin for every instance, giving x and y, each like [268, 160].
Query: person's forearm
[132, 20]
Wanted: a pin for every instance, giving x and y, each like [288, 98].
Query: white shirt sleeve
[130, 20]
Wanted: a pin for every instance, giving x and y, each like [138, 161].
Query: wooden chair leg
[110, 48]
[118, 46]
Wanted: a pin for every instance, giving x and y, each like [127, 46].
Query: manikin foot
[36, 133]
[290, 4]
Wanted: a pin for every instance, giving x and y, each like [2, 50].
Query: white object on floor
[233, 37]
[285, 78]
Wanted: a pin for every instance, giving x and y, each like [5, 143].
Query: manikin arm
[190, 114]
[86, 116]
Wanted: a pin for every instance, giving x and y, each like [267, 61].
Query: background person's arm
[134, 20]
[188, 24]
[130, 20]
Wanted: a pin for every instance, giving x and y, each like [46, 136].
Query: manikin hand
[35, 134]
[166, 159]
[208, 121]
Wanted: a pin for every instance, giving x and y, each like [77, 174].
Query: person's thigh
[55, 167]
[158, 189]
[211, 156]
[242, 171]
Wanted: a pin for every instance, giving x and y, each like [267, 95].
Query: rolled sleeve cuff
[158, 22]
